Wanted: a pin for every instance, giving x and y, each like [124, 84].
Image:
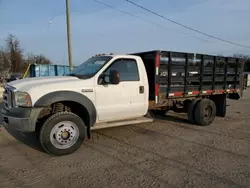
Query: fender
[73, 96]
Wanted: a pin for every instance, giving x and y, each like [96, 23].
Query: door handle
[141, 89]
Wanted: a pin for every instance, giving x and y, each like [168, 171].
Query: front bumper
[21, 119]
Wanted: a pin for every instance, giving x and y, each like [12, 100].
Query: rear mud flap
[233, 96]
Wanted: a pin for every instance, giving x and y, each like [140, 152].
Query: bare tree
[4, 60]
[246, 58]
[16, 53]
[242, 56]
[37, 59]
[5, 65]
[12, 58]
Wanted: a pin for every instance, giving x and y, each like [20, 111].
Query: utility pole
[68, 35]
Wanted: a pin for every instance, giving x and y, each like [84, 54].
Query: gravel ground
[167, 153]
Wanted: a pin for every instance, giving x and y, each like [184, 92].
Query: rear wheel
[191, 110]
[205, 112]
[62, 133]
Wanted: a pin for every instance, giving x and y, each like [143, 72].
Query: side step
[121, 123]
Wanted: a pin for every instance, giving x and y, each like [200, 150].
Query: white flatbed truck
[114, 90]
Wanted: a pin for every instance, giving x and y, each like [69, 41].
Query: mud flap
[233, 96]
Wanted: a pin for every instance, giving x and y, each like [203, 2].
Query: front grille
[8, 98]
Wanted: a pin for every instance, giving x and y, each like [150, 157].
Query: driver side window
[127, 69]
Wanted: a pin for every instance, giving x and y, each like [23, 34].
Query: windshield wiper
[79, 76]
[72, 74]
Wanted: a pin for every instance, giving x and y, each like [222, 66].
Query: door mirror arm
[101, 79]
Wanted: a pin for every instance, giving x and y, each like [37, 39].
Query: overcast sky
[98, 29]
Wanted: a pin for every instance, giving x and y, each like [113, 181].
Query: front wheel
[62, 133]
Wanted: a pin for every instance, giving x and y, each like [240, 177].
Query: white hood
[40, 86]
[28, 83]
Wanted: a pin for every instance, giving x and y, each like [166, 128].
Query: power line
[187, 27]
[155, 23]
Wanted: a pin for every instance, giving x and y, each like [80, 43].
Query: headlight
[22, 99]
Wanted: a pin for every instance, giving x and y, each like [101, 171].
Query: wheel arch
[70, 96]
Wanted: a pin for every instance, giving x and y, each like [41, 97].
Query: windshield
[91, 66]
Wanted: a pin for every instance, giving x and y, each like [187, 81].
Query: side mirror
[114, 77]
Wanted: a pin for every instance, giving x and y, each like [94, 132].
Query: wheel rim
[64, 135]
[208, 112]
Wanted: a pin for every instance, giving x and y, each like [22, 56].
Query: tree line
[13, 60]
[246, 59]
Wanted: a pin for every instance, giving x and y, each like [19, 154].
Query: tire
[221, 106]
[186, 104]
[51, 133]
[205, 112]
[191, 110]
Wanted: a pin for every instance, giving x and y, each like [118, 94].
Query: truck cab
[120, 88]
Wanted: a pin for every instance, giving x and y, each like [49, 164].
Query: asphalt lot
[167, 153]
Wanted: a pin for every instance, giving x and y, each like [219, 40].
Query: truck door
[125, 100]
